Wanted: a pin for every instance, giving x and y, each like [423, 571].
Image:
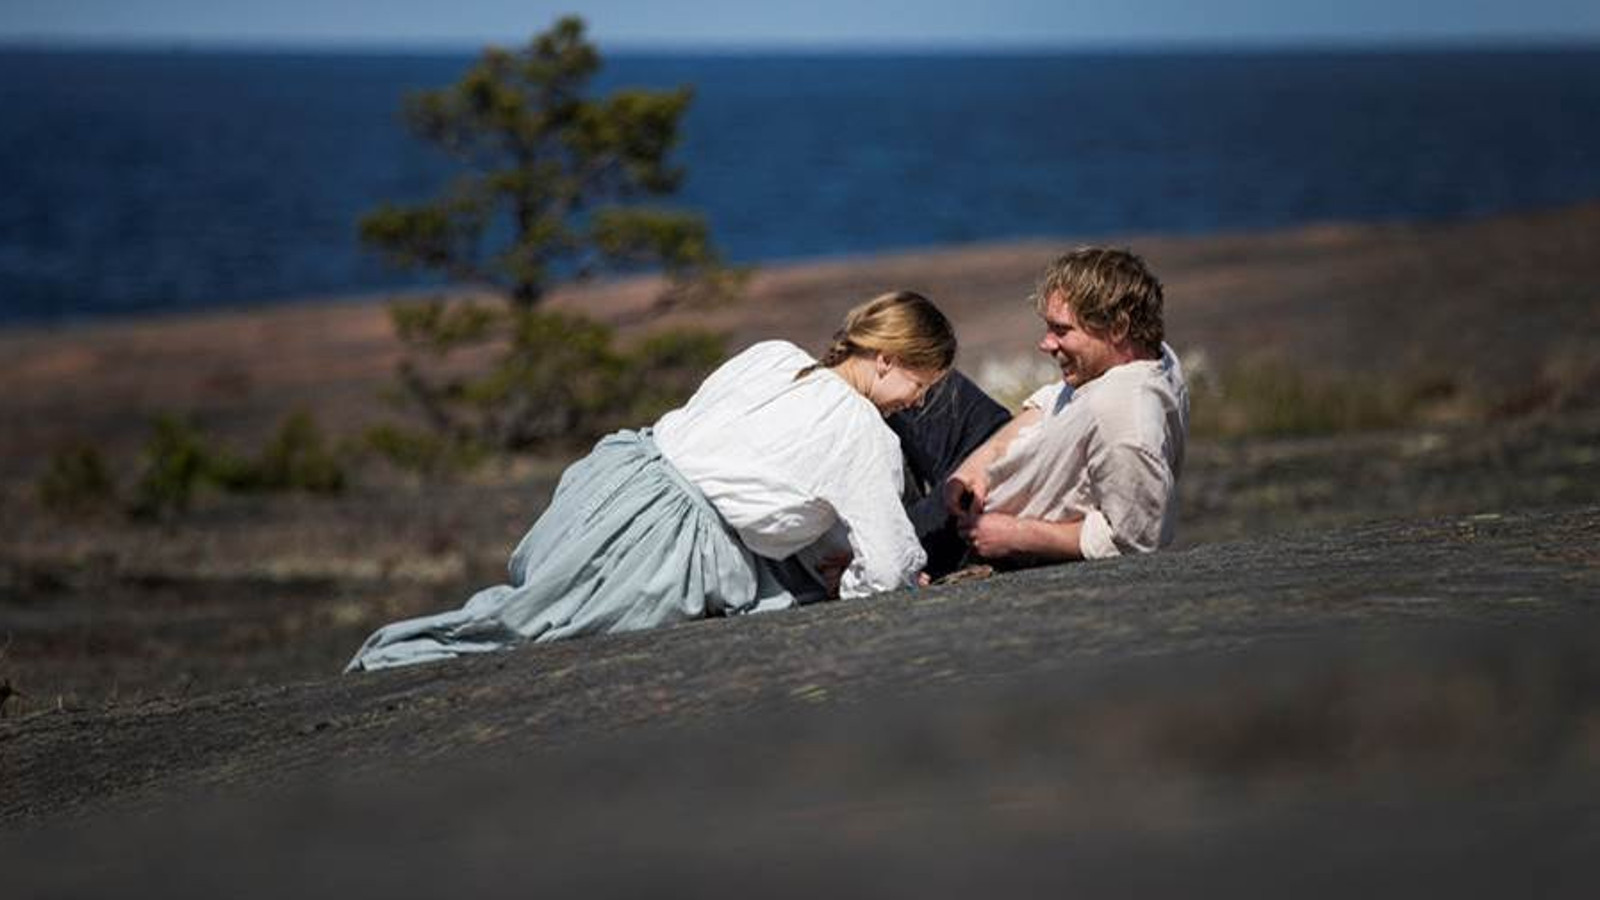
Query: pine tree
[555, 185]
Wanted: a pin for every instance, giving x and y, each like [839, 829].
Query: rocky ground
[1366, 640]
[1396, 708]
[250, 592]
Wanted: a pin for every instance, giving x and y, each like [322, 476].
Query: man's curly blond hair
[1111, 292]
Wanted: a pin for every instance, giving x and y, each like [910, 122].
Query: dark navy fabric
[954, 419]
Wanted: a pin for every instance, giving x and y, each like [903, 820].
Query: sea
[153, 181]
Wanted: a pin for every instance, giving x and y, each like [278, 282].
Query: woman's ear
[883, 364]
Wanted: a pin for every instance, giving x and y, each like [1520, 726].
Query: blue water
[142, 181]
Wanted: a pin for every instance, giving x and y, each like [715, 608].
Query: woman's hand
[831, 568]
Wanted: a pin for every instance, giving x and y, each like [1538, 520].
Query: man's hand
[992, 535]
[967, 489]
[998, 535]
[965, 494]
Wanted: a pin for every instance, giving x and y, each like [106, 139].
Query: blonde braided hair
[901, 324]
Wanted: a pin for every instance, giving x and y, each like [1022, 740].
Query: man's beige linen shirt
[1109, 453]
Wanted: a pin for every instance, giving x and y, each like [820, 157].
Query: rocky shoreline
[1501, 305]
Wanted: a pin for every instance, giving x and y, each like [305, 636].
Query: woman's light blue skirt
[626, 544]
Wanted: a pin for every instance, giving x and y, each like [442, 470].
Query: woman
[776, 482]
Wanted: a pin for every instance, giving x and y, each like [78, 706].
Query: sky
[805, 23]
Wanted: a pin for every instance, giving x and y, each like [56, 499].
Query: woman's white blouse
[787, 462]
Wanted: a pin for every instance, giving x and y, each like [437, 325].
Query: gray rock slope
[1402, 708]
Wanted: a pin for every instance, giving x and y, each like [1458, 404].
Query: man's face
[1081, 356]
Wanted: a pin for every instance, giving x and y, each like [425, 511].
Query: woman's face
[899, 387]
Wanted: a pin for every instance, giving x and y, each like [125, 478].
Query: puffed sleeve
[887, 554]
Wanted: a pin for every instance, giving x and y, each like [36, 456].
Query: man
[1089, 468]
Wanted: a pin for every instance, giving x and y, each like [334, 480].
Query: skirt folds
[626, 544]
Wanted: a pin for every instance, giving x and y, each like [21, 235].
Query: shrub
[175, 463]
[77, 480]
[664, 369]
[427, 453]
[1266, 398]
[561, 385]
[296, 458]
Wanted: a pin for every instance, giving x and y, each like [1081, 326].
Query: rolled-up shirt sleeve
[1133, 487]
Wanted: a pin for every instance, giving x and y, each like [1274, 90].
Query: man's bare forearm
[998, 536]
[972, 470]
[1050, 540]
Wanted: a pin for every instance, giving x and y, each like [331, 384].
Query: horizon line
[802, 47]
